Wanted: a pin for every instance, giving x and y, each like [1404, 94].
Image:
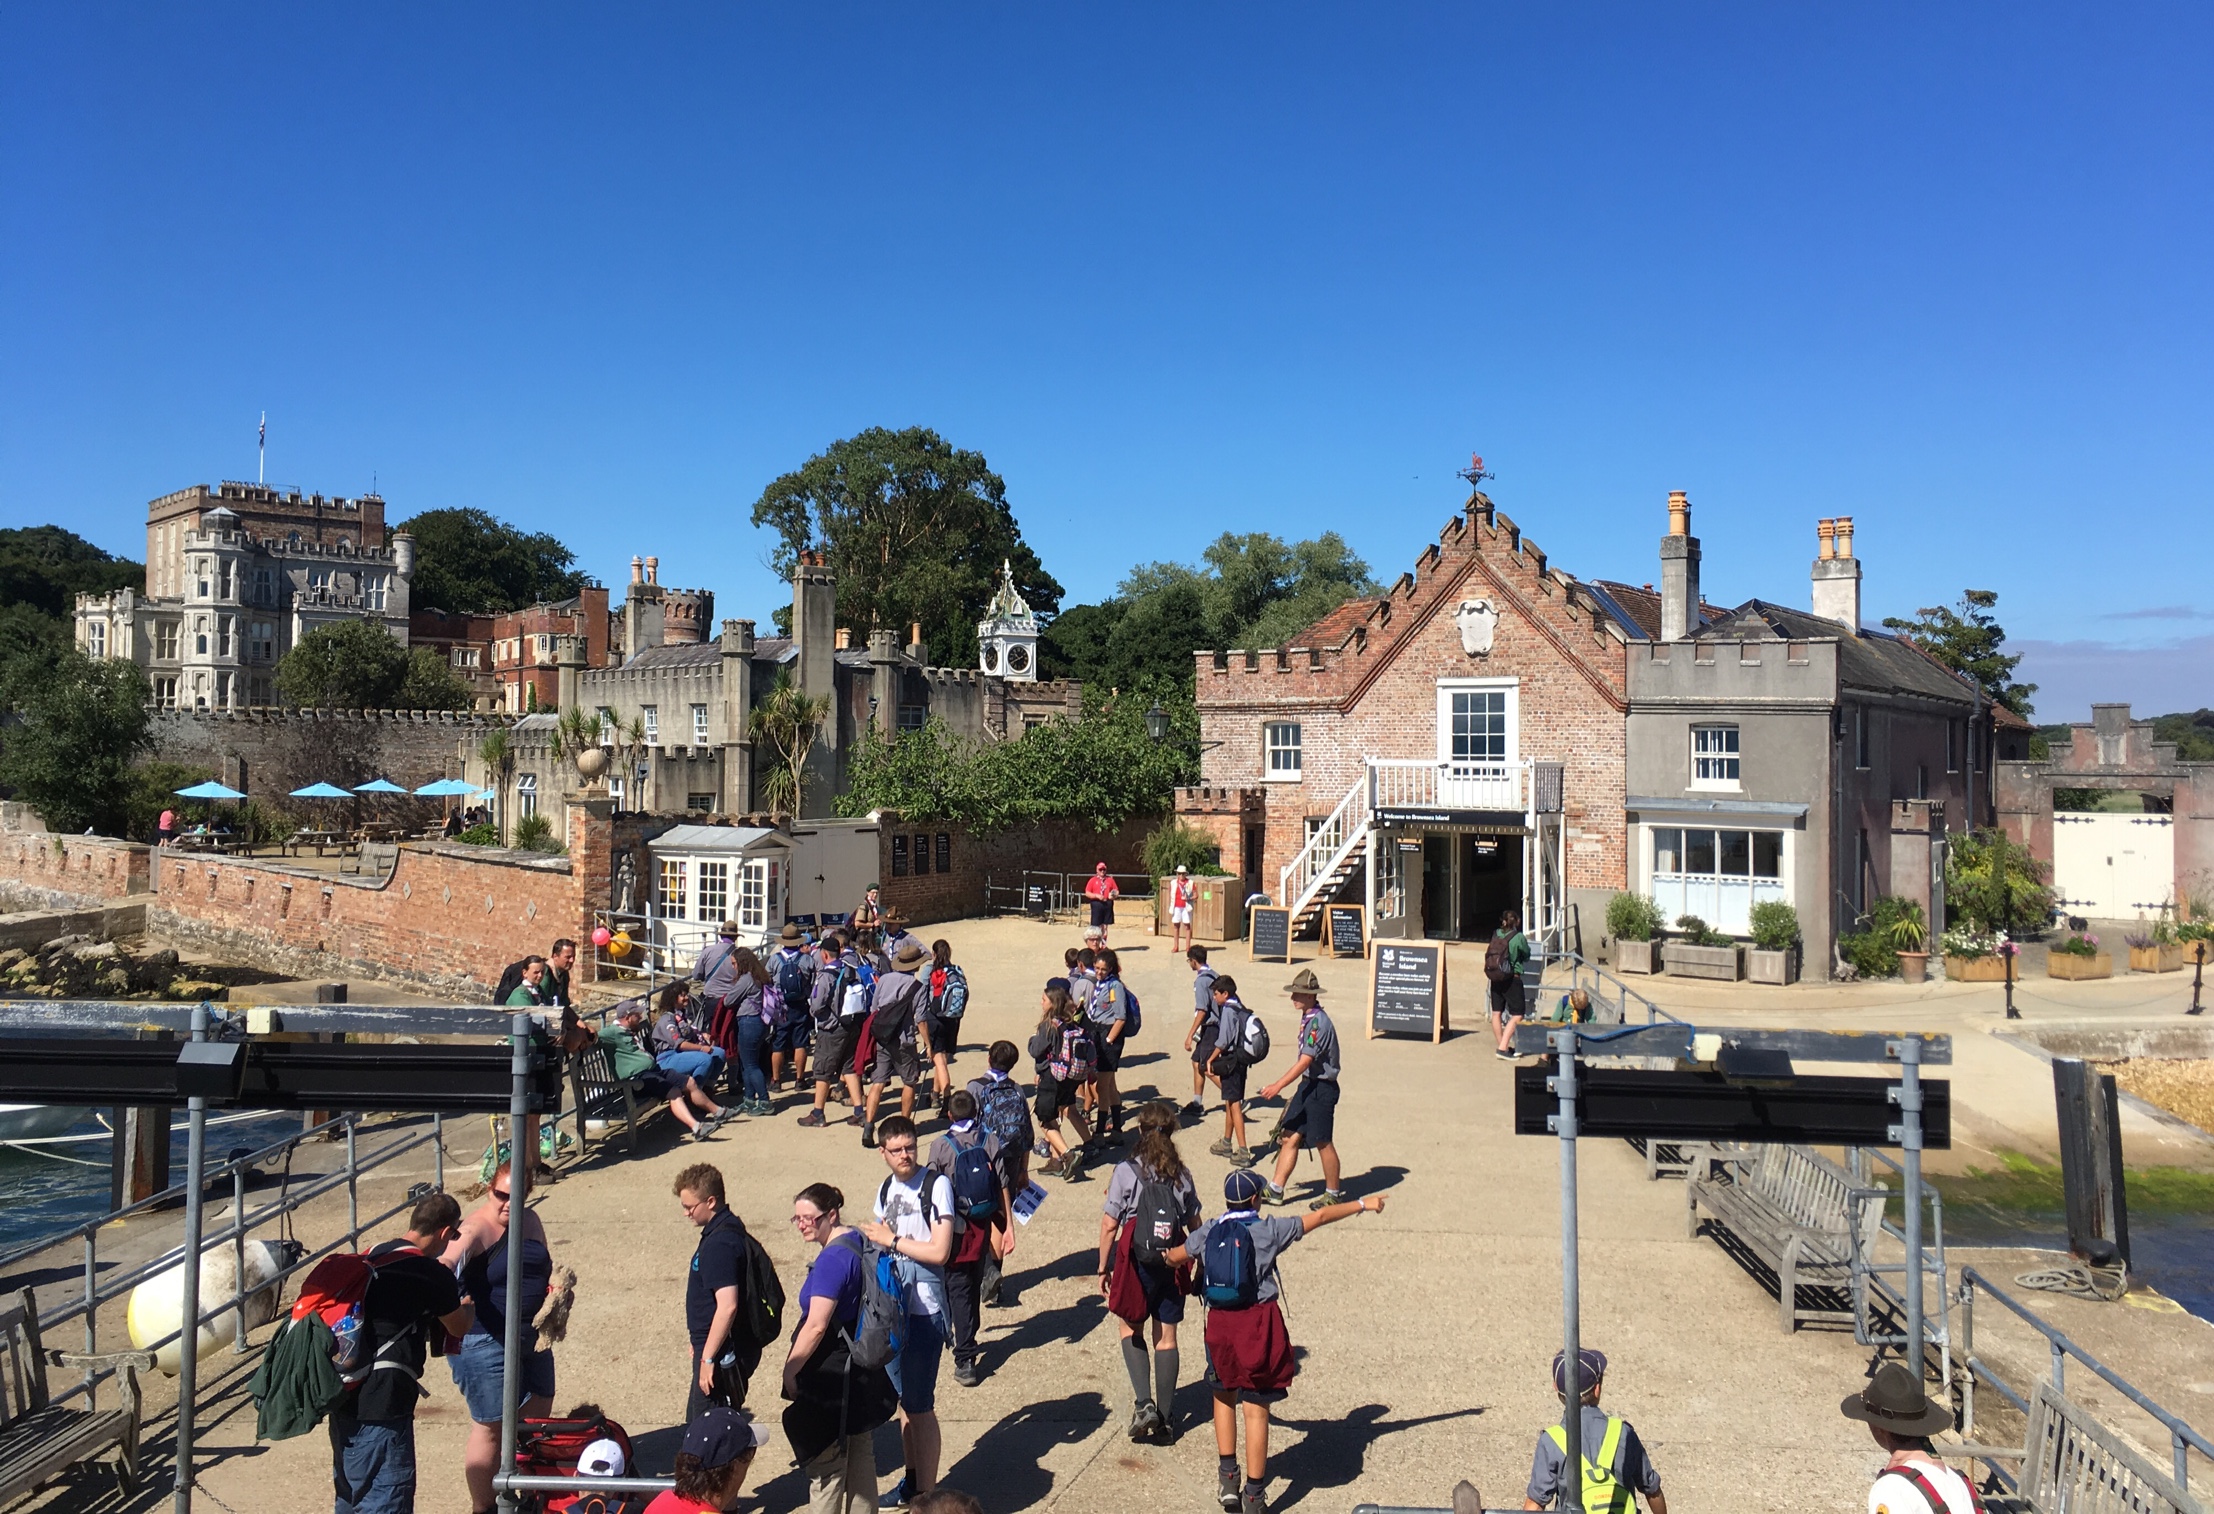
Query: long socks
[1166, 1359]
[1133, 1362]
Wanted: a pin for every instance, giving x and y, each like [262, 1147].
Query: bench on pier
[39, 1439]
[597, 1094]
[2072, 1464]
[1792, 1209]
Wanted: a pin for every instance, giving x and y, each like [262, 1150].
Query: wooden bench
[39, 1439]
[371, 858]
[597, 1094]
[2072, 1464]
[1791, 1208]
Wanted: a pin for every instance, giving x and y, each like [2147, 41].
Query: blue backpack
[955, 1001]
[791, 978]
[975, 1182]
[1001, 1110]
[880, 1329]
[1228, 1277]
[1133, 1016]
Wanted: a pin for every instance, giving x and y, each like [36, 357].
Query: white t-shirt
[900, 1205]
[1893, 1494]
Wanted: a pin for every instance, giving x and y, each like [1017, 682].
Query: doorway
[1491, 883]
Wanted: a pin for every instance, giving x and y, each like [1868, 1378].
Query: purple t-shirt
[835, 1274]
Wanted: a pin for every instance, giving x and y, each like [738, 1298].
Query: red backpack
[336, 1289]
[551, 1447]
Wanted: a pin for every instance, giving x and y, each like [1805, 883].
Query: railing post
[92, 1307]
[188, 1314]
[238, 1255]
[1908, 1133]
[353, 1191]
[1968, 1355]
[1572, 1414]
[518, 1187]
[438, 1152]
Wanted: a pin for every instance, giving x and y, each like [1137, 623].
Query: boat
[29, 1122]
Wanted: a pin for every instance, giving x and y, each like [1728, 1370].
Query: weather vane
[1475, 472]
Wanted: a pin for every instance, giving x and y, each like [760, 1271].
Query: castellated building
[235, 575]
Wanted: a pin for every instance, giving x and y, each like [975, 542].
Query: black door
[1491, 883]
[1438, 922]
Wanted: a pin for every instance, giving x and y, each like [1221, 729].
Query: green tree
[915, 529]
[497, 751]
[469, 560]
[784, 727]
[347, 665]
[1993, 883]
[2193, 734]
[431, 684]
[46, 567]
[79, 727]
[1967, 638]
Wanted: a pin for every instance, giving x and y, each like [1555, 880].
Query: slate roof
[1870, 660]
[688, 655]
[1638, 610]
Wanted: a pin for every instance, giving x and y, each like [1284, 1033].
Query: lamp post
[1157, 723]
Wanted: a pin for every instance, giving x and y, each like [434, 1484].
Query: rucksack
[954, 1002]
[1133, 1016]
[336, 1289]
[1495, 961]
[880, 1329]
[853, 994]
[763, 1314]
[1079, 1058]
[1252, 1039]
[1157, 1216]
[511, 978]
[791, 978]
[1000, 1109]
[774, 1011]
[1229, 1277]
[975, 1181]
[552, 1448]
[828, 1010]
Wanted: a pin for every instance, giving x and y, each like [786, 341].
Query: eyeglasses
[688, 1205]
[805, 1220]
[904, 1149]
[500, 1195]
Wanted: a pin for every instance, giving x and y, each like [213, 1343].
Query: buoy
[157, 1305]
[601, 935]
[620, 946]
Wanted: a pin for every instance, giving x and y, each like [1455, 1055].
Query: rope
[55, 1156]
[2079, 1279]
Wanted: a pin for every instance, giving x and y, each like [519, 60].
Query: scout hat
[893, 917]
[1304, 982]
[1894, 1401]
[1181, 868]
[728, 930]
[909, 955]
[790, 932]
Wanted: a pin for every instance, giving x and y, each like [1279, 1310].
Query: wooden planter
[1636, 957]
[2156, 959]
[2077, 969]
[1724, 962]
[1780, 967]
[1218, 914]
[1991, 969]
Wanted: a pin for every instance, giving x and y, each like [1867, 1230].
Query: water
[41, 1194]
[2173, 1253]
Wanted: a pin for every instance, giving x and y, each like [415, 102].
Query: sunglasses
[501, 1194]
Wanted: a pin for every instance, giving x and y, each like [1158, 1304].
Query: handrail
[2182, 1438]
[1315, 861]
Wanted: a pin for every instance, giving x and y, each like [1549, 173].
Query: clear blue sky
[1174, 271]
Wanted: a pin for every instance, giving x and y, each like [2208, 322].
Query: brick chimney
[1837, 574]
[1679, 571]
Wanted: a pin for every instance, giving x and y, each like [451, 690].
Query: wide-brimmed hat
[1894, 1401]
[909, 955]
[894, 917]
[790, 932]
[729, 929]
[1180, 867]
[1304, 982]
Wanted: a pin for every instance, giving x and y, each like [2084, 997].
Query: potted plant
[1702, 952]
[1972, 957]
[1774, 956]
[1635, 923]
[2077, 957]
[1907, 934]
[2156, 950]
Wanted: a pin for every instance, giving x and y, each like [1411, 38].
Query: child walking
[1152, 1204]
[1060, 1050]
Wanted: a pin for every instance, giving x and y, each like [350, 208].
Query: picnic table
[380, 831]
[211, 841]
[321, 840]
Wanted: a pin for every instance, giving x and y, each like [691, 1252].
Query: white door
[2113, 867]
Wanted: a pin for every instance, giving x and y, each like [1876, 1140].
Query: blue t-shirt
[836, 1274]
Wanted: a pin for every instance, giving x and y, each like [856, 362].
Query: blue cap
[1591, 1365]
[1054, 983]
[1242, 1187]
[719, 1436]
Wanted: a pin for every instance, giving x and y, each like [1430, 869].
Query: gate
[2113, 867]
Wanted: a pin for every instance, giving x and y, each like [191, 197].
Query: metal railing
[2182, 1438]
[1447, 785]
[1315, 862]
[1871, 1285]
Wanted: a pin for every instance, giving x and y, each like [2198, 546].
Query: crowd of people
[896, 1280]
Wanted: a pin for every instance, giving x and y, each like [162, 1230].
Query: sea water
[56, 1187]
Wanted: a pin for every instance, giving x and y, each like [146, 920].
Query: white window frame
[526, 795]
[1717, 756]
[672, 887]
[1511, 687]
[711, 891]
[96, 638]
[760, 880]
[1283, 754]
[1687, 884]
[699, 725]
[651, 715]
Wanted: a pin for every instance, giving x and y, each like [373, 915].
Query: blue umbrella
[321, 791]
[445, 788]
[210, 790]
[379, 786]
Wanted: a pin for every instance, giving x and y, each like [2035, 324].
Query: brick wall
[39, 870]
[1060, 847]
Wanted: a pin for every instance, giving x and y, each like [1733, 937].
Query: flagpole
[261, 467]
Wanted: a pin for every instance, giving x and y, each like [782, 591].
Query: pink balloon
[602, 936]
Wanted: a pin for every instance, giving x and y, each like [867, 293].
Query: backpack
[511, 978]
[1495, 961]
[774, 1009]
[827, 1011]
[880, 1329]
[1000, 1109]
[1079, 1058]
[1133, 1017]
[791, 978]
[1229, 1277]
[1157, 1217]
[853, 994]
[1252, 1039]
[336, 1289]
[955, 1001]
[552, 1448]
[975, 1181]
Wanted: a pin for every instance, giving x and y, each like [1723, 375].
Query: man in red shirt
[1102, 893]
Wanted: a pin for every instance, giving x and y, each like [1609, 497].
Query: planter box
[1991, 969]
[2067, 965]
[1218, 914]
[1724, 962]
[1636, 957]
[2156, 959]
[1772, 967]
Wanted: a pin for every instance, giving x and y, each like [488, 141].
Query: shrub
[1907, 931]
[1993, 884]
[1173, 842]
[479, 835]
[1633, 917]
[1775, 925]
[534, 833]
[1968, 945]
[2077, 944]
[1870, 955]
[1696, 932]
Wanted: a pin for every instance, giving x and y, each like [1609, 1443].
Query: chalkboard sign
[1348, 932]
[1406, 991]
[1269, 932]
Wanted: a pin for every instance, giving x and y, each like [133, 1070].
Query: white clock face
[991, 658]
[1018, 658]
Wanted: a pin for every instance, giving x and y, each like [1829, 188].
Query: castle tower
[1008, 633]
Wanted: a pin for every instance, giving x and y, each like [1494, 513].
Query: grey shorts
[897, 1059]
[833, 1051]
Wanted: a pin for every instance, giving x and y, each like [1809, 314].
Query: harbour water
[54, 1187]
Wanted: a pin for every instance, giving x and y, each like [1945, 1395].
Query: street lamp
[1157, 723]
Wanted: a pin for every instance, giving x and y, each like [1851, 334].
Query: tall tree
[784, 727]
[349, 665]
[79, 727]
[470, 561]
[1967, 638]
[915, 529]
[46, 567]
[432, 684]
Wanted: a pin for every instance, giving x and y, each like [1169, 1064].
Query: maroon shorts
[1249, 1353]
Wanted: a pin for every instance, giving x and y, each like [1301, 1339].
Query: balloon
[601, 935]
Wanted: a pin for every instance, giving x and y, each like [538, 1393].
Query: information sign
[1406, 991]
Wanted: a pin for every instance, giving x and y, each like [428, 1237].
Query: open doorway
[1491, 883]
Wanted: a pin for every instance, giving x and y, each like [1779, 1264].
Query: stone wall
[958, 891]
[277, 751]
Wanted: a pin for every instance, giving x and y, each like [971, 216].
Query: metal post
[2007, 951]
[188, 1314]
[92, 1305]
[2198, 977]
[1572, 1417]
[1967, 1354]
[438, 1152]
[238, 1255]
[353, 1191]
[1909, 1095]
[518, 1188]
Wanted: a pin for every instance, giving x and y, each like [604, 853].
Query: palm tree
[787, 723]
[498, 751]
[629, 741]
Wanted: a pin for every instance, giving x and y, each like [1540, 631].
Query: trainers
[967, 1376]
[1223, 1148]
[1271, 1194]
[814, 1119]
[1195, 1109]
[868, 1143]
[1145, 1423]
[1336, 1196]
[706, 1128]
[1252, 1500]
[1245, 1159]
[904, 1494]
[1226, 1490]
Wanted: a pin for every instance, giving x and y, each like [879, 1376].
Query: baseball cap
[602, 1458]
[1591, 1366]
[1242, 1187]
[719, 1436]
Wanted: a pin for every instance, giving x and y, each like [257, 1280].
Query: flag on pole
[261, 438]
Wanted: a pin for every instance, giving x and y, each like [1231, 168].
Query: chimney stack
[637, 570]
[1679, 571]
[1837, 574]
[653, 570]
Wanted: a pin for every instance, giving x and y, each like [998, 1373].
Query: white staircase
[1332, 854]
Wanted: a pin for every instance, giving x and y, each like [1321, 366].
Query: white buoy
[157, 1305]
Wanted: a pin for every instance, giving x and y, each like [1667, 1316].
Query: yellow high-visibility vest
[1604, 1493]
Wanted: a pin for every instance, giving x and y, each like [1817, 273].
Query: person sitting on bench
[634, 1065]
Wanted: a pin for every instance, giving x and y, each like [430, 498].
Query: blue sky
[1173, 271]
